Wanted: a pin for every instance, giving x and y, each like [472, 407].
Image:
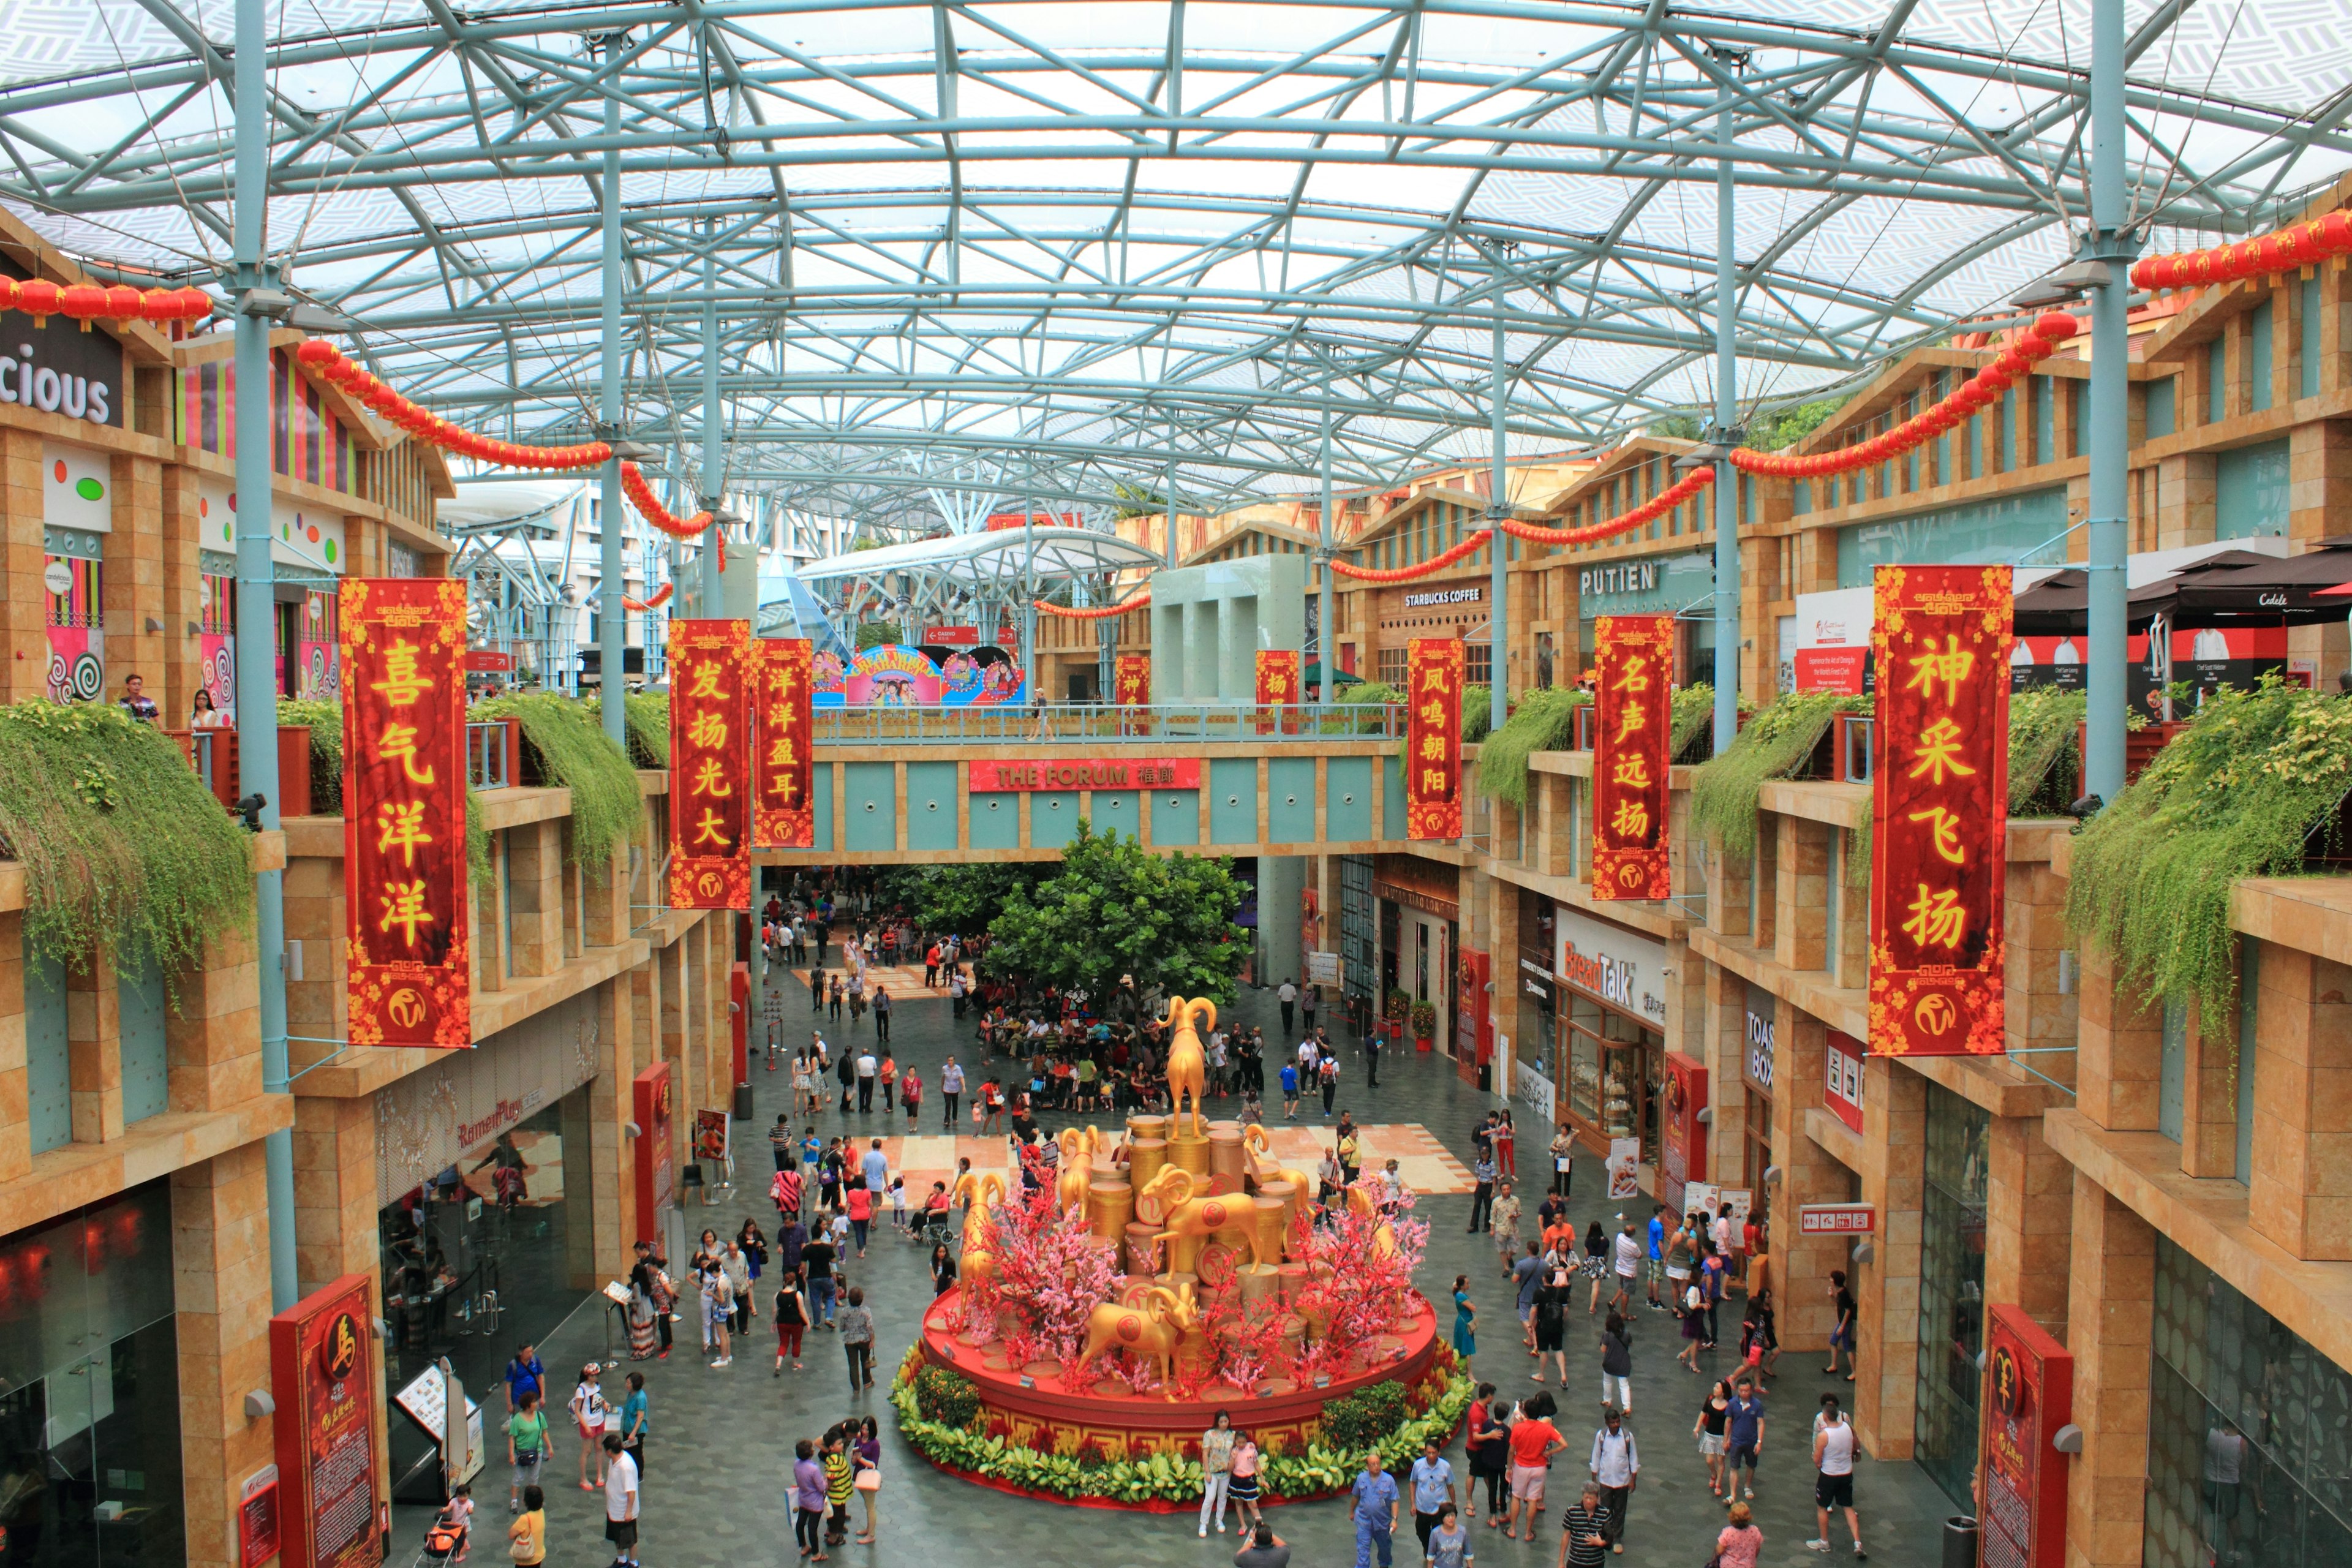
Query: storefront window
[1951, 1289]
[90, 1424]
[469, 1271]
[1615, 1070]
[2246, 1432]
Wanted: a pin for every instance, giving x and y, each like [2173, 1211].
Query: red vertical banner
[1633, 730]
[323, 1377]
[709, 764]
[2029, 1393]
[1474, 1016]
[1277, 676]
[1433, 737]
[1133, 677]
[784, 816]
[1939, 810]
[404, 867]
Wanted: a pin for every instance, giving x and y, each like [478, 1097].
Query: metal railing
[1857, 732]
[1110, 724]
[485, 756]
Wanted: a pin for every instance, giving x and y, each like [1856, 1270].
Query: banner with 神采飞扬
[1277, 676]
[1940, 815]
[406, 969]
[1632, 726]
[1133, 677]
[783, 812]
[1433, 670]
[709, 764]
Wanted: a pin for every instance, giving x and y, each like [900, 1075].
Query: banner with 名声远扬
[1939, 812]
[1133, 677]
[709, 764]
[408, 970]
[1433, 670]
[783, 812]
[1632, 747]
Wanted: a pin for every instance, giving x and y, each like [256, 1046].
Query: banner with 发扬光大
[1631, 746]
[783, 812]
[405, 868]
[1939, 810]
[1132, 677]
[709, 764]
[1433, 671]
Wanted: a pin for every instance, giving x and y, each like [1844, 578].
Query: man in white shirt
[1617, 1466]
[1288, 996]
[620, 1502]
[867, 1068]
[951, 1086]
[1834, 1480]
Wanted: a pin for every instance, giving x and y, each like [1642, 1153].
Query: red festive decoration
[1103, 612]
[1632, 749]
[783, 812]
[1133, 679]
[2327, 238]
[1939, 810]
[1277, 676]
[661, 597]
[710, 779]
[1433, 737]
[1406, 573]
[641, 495]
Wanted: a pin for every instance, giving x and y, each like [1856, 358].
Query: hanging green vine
[2238, 793]
[125, 851]
[326, 724]
[1544, 721]
[477, 844]
[2045, 765]
[565, 744]
[1694, 709]
[1775, 744]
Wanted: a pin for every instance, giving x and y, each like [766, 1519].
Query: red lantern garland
[1103, 612]
[649, 507]
[326, 360]
[87, 302]
[2288, 249]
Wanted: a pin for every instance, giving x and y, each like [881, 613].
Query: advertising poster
[1633, 730]
[324, 1378]
[710, 1135]
[405, 899]
[1682, 1136]
[1939, 810]
[1624, 1166]
[1432, 738]
[2029, 1393]
[783, 812]
[710, 774]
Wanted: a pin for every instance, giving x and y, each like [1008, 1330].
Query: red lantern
[317, 353]
[122, 303]
[2057, 327]
[85, 302]
[2335, 232]
[7, 293]
[37, 298]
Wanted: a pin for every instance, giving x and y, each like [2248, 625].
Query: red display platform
[1039, 1413]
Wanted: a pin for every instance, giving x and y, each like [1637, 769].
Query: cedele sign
[57, 367]
[1622, 968]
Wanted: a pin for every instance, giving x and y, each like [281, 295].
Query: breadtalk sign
[1611, 979]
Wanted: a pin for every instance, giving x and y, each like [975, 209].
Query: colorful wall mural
[896, 676]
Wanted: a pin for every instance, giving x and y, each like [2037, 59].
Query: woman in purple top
[808, 1502]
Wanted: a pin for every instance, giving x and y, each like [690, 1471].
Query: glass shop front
[1612, 1015]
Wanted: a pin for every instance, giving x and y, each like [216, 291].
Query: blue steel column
[712, 473]
[2110, 453]
[1498, 619]
[1727, 416]
[256, 619]
[612, 629]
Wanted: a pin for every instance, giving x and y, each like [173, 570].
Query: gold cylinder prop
[1292, 1281]
[1228, 1160]
[1141, 1253]
[1189, 1151]
[1145, 1159]
[1290, 1197]
[1273, 1224]
[1141, 1126]
[1180, 1281]
[1109, 1206]
[1260, 1282]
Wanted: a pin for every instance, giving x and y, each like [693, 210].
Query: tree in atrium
[1114, 908]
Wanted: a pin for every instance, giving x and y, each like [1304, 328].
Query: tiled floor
[722, 1439]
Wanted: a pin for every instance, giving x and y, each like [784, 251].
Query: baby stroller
[442, 1543]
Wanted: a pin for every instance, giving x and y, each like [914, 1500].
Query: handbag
[868, 1480]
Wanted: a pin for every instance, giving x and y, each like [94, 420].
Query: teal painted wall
[1232, 801]
[996, 821]
[1391, 798]
[1290, 799]
[872, 808]
[820, 805]
[146, 1070]
[2250, 491]
[1175, 816]
[49, 1085]
[1979, 532]
[1348, 799]
[1115, 810]
[1053, 817]
[931, 805]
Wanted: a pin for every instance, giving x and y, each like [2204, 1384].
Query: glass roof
[1018, 251]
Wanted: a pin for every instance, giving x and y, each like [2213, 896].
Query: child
[1290, 1092]
[898, 1204]
[1507, 1226]
[838, 1229]
[458, 1517]
[588, 1411]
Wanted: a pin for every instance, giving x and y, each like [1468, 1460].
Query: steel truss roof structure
[1005, 251]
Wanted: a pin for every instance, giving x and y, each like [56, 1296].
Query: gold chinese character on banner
[1632, 770]
[1432, 780]
[1939, 751]
[400, 825]
[711, 830]
[1433, 747]
[1951, 666]
[1630, 720]
[706, 682]
[708, 730]
[710, 778]
[788, 785]
[1636, 675]
[1437, 677]
[402, 682]
[398, 744]
[780, 751]
[1937, 917]
[404, 907]
[1945, 828]
[1632, 821]
[1432, 713]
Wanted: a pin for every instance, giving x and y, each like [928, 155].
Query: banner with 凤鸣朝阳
[1632, 726]
[1940, 809]
[1277, 676]
[405, 866]
[1433, 668]
[709, 764]
[783, 812]
[1132, 677]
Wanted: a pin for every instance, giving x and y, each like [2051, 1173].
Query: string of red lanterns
[1657, 506]
[2288, 249]
[329, 363]
[640, 492]
[1981, 390]
[1406, 573]
[660, 597]
[86, 302]
[1103, 612]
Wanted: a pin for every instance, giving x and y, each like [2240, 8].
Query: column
[220, 1278]
[1809, 1174]
[1800, 893]
[612, 623]
[2028, 1222]
[94, 1050]
[2119, 1058]
[15, 1115]
[26, 605]
[1887, 1289]
[2110, 1314]
[2303, 1105]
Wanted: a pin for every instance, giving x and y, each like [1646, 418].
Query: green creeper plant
[2044, 764]
[645, 717]
[326, 724]
[2243, 792]
[126, 854]
[1775, 744]
[1694, 712]
[567, 743]
[1544, 721]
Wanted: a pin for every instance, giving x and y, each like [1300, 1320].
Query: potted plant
[1398, 1008]
[1424, 1026]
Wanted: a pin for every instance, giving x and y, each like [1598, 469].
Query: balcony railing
[1105, 723]
[491, 761]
